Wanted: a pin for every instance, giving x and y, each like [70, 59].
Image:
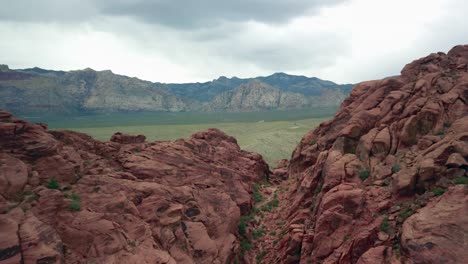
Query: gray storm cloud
[198, 40]
[172, 13]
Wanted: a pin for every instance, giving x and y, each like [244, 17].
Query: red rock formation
[127, 139]
[374, 173]
[66, 198]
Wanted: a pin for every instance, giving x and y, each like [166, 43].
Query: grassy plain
[273, 134]
[274, 140]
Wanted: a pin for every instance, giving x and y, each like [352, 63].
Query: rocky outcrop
[37, 91]
[127, 139]
[385, 180]
[67, 198]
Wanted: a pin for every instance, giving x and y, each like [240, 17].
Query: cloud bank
[184, 41]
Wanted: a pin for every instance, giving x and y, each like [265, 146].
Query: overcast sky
[345, 41]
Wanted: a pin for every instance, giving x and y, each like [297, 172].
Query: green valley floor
[275, 140]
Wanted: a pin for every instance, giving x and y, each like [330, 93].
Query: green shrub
[280, 223]
[396, 168]
[405, 213]
[364, 174]
[437, 191]
[346, 238]
[74, 206]
[133, 244]
[440, 133]
[75, 197]
[75, 201]
[385, 225]
[313, 142]
[244, 246]
[283, 232]
[273, 233]
[53, 184]
[67, 188]
[256, 193]
[242, 225]
[396, 249]
[461, 180]
[447, 124]
[268, 207]
[260, 256]
[258, 233]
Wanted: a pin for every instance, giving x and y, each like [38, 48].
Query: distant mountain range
[36, 90]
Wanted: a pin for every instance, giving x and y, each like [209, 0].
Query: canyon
[384, 181]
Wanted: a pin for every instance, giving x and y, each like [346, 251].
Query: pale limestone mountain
[37, 90]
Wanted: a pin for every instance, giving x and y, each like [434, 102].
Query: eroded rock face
[374, 173]
[123, 201]
[437, 233]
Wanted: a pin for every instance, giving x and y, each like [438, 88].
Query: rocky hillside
[41, 91]
[36, 90]
[66, 198]
[257, 96]
[384, 181]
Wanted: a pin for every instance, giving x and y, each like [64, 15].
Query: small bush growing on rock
[447, 124]
[438, 191]
[67, 188]
[268, 207]
[280, 223]
[242, 225]
[461, 180]
[53, 184]
[396, 249]
[313, 142]
[75, 197]
[133, 244]
[256, 193]
[405, 213]
[440, 133]
[244, 246]
[385, 225]
[260, 256]
[74, 206]
[272, 233]
[364, 174]
[283, 232]
[258, 233]
[75, 202]
[396, 168]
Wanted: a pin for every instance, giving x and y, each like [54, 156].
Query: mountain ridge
[87, 90]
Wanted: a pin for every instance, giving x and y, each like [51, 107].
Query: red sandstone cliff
[385, 180]
[160, 202]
